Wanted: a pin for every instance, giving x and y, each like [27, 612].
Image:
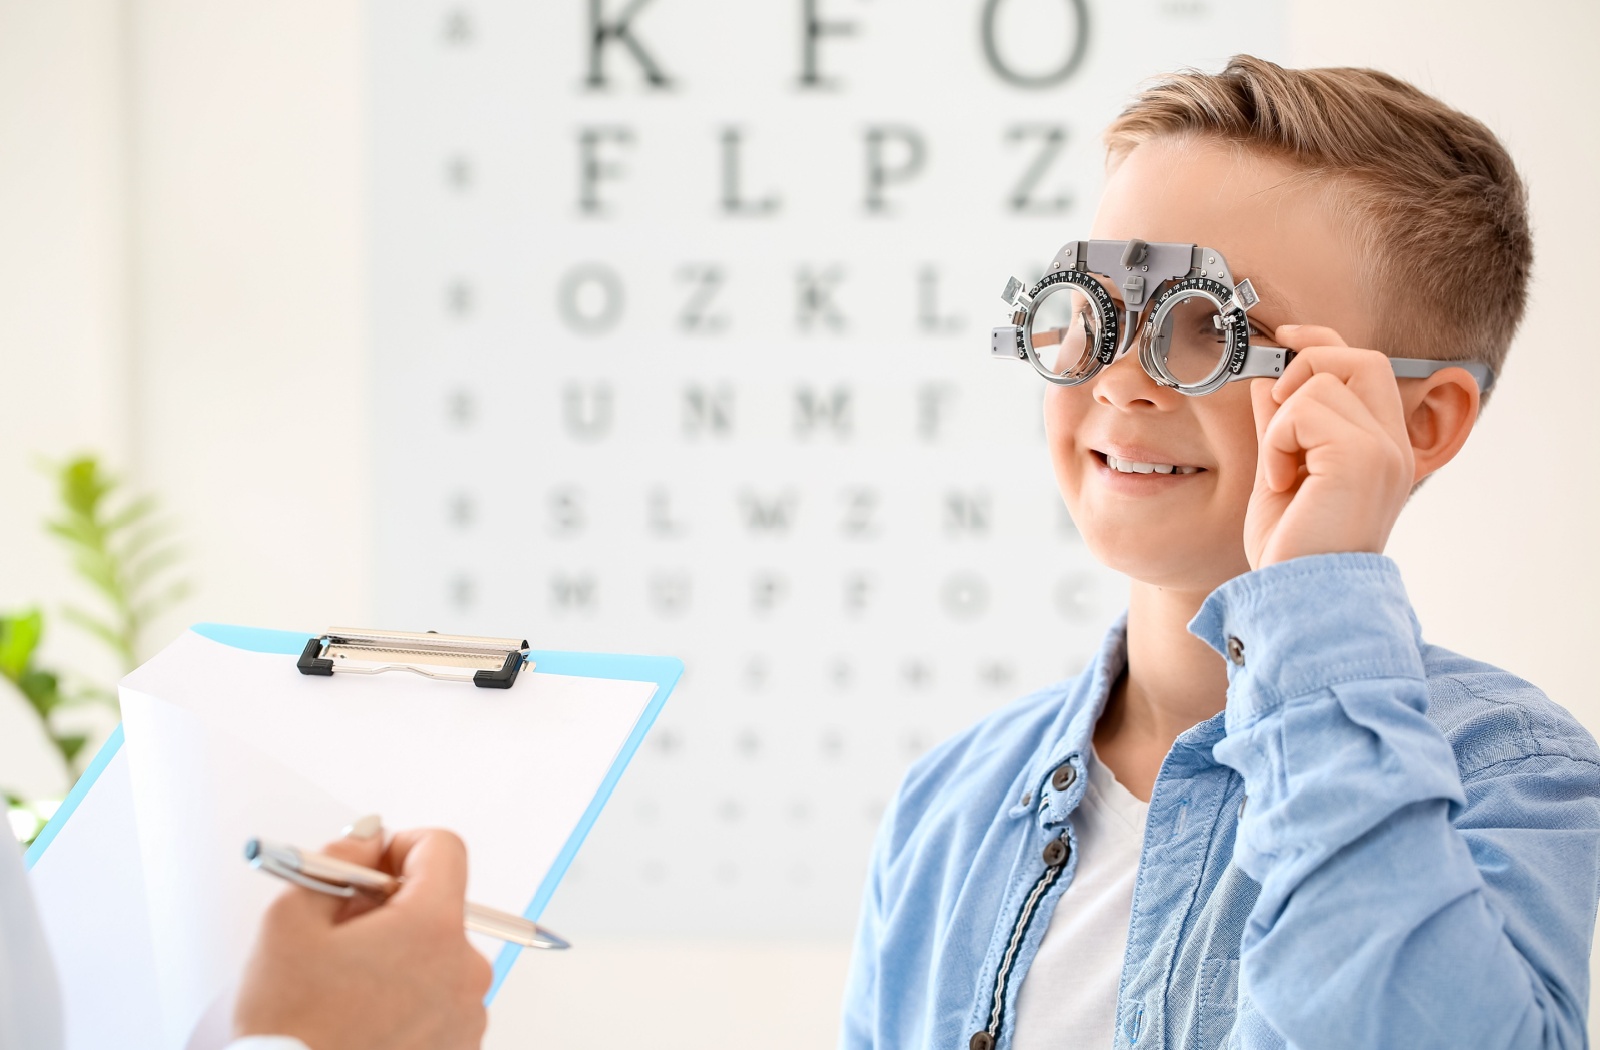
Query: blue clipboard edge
[664, 671]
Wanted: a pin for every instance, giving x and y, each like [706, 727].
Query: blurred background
[662, 327]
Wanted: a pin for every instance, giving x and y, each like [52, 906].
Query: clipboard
[148, 905]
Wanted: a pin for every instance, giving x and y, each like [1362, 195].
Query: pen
[340, 878]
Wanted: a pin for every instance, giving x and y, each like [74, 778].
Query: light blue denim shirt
[1378, 843]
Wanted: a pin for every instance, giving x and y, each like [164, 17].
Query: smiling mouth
[1128, 466]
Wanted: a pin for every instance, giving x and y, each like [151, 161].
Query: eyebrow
[1270, 303]
[1270, 300]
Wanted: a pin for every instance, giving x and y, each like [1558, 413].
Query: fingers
[1339, 396]
[1335, 409]
[1325, 427]
[362, 844]
[433, 865]
[1300, 336]
[1322, 351]
[1336, 394]
[1297, 430]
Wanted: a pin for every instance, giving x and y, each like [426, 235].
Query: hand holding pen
[340, 878]
[408, 964]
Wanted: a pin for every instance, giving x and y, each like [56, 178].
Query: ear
[1441, 411]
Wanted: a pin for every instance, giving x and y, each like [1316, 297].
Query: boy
[1268, 814]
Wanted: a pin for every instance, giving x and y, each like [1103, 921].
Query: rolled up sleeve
[1399, 905]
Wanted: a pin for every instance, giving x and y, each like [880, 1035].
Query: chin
[1174, 559]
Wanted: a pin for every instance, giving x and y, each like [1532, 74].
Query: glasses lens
[1066, 330]
[1193, 338]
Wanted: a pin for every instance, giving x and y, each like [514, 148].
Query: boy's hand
[398, 976]
[1334, 464]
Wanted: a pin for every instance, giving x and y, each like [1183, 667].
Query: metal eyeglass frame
[1158, 276]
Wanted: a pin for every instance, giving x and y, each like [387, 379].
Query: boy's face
[1186, 531]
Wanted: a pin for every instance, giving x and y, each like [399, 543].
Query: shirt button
[1027, 798]
[1236, 650]
[1063, 778]
[980, 1041]
[1055, 852]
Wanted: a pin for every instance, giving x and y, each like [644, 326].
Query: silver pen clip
[273, 866]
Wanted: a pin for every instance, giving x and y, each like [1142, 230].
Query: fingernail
[1290, 327]
[364, 827]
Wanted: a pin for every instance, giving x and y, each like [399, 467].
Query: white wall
[64, 371]
[181, 287]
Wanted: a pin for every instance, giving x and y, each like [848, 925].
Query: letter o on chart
[1031, 37]
[590, 299]
[964, 595]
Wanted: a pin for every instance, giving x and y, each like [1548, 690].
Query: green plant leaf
[84, 485]
[95, 567]
[103, 631]
[123, 549]
[138, 571]
[42, 690]
[135, 511]
[164, 600]
[76, 531]
[70, 746]
[19, 637]
[135, 542]
[94, 695]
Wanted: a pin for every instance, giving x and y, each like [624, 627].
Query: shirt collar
[1070, 742]
[1073, 732]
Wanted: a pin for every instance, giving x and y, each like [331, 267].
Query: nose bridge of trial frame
[1138, 269]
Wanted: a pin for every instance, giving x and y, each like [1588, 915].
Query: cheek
[1064, 408]
[1230, 425]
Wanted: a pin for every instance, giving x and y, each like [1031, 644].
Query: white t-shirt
[1069, 996]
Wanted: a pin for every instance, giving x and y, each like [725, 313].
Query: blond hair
[1440, 209]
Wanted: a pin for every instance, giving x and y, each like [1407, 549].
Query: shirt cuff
[267, 1042]
[1306, 624]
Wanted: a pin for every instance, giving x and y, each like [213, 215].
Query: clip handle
[488, 663]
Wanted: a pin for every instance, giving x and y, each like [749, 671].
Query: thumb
[433, 866]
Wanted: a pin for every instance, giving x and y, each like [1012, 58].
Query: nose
[1124, 384]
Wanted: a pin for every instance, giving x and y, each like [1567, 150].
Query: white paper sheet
[89, 886]
[224, 744]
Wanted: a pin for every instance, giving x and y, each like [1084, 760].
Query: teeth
[1128, 466]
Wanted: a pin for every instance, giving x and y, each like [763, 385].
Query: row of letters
[589, 411]
[891, 158]
[614, 28]
[855, 513]
[591, 299]
[961, 595]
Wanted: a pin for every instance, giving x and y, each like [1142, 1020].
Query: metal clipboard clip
[488, 663]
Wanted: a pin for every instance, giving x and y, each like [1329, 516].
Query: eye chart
[681, 313]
